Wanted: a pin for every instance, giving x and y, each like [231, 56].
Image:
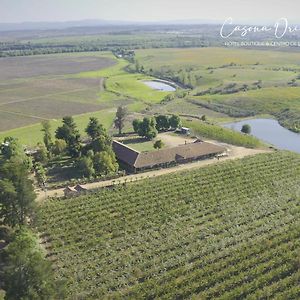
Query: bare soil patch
[32, 66]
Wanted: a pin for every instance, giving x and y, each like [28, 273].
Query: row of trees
[26, 273]
[149, 127]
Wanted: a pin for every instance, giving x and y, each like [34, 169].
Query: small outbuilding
[79, 188]
[70, 191]
[185, 130]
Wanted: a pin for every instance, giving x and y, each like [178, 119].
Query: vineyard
[227, 231]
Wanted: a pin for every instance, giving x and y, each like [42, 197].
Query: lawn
[139, 144]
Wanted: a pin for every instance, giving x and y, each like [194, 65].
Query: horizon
[137, 11]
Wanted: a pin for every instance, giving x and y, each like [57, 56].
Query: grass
[124, 84]
[215, 132]
[140, 144]
[270, 77]
[215, 57]
[230, 230]
[31, 135]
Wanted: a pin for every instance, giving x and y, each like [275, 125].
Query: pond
[160, 86]
[271, 132]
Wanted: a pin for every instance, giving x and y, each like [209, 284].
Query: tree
[105, 162]
[136, 125]
[42, 153]
[85, 167]
[15, 210]
[59, 147]
[11, 147]
[175, 122]
[146, 128]
[94, 128]
[158, 144]
[47, 135]
[28, 275]
[120, 118]
[246, 129]
[137, 66]
[13, 150]
[70, 134]
[74, 146]
[40, 174]
[67, 130]
[162, 123]
[8, 200]
[102, 143]
[203, 118]
[16, 193]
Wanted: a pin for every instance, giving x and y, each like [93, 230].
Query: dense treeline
[101, 44]
[25, 272]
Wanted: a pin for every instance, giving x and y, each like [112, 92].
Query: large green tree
[175, 121]
[146, 128]
[27, 274]
[136, 125]
[69, 132]
[162, 123]
[85, 167]
[16, 193]
[11, 147]
[105, 162]
[95, 129]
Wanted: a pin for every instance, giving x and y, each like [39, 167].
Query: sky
[16, 11]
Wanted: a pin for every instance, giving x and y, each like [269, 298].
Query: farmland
[225, 231]
[38, 88]
[235, 82]
[228, 84]
[33, 89]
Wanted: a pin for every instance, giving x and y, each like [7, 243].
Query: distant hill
[91, 23]
[58, 25]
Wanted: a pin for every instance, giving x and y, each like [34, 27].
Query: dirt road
[234, 152]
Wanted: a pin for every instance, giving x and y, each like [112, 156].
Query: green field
[215, 57]
[228, 231]
[228, 84]
[211, 131]
[31, 135]
[235, 82]
[127, 85]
